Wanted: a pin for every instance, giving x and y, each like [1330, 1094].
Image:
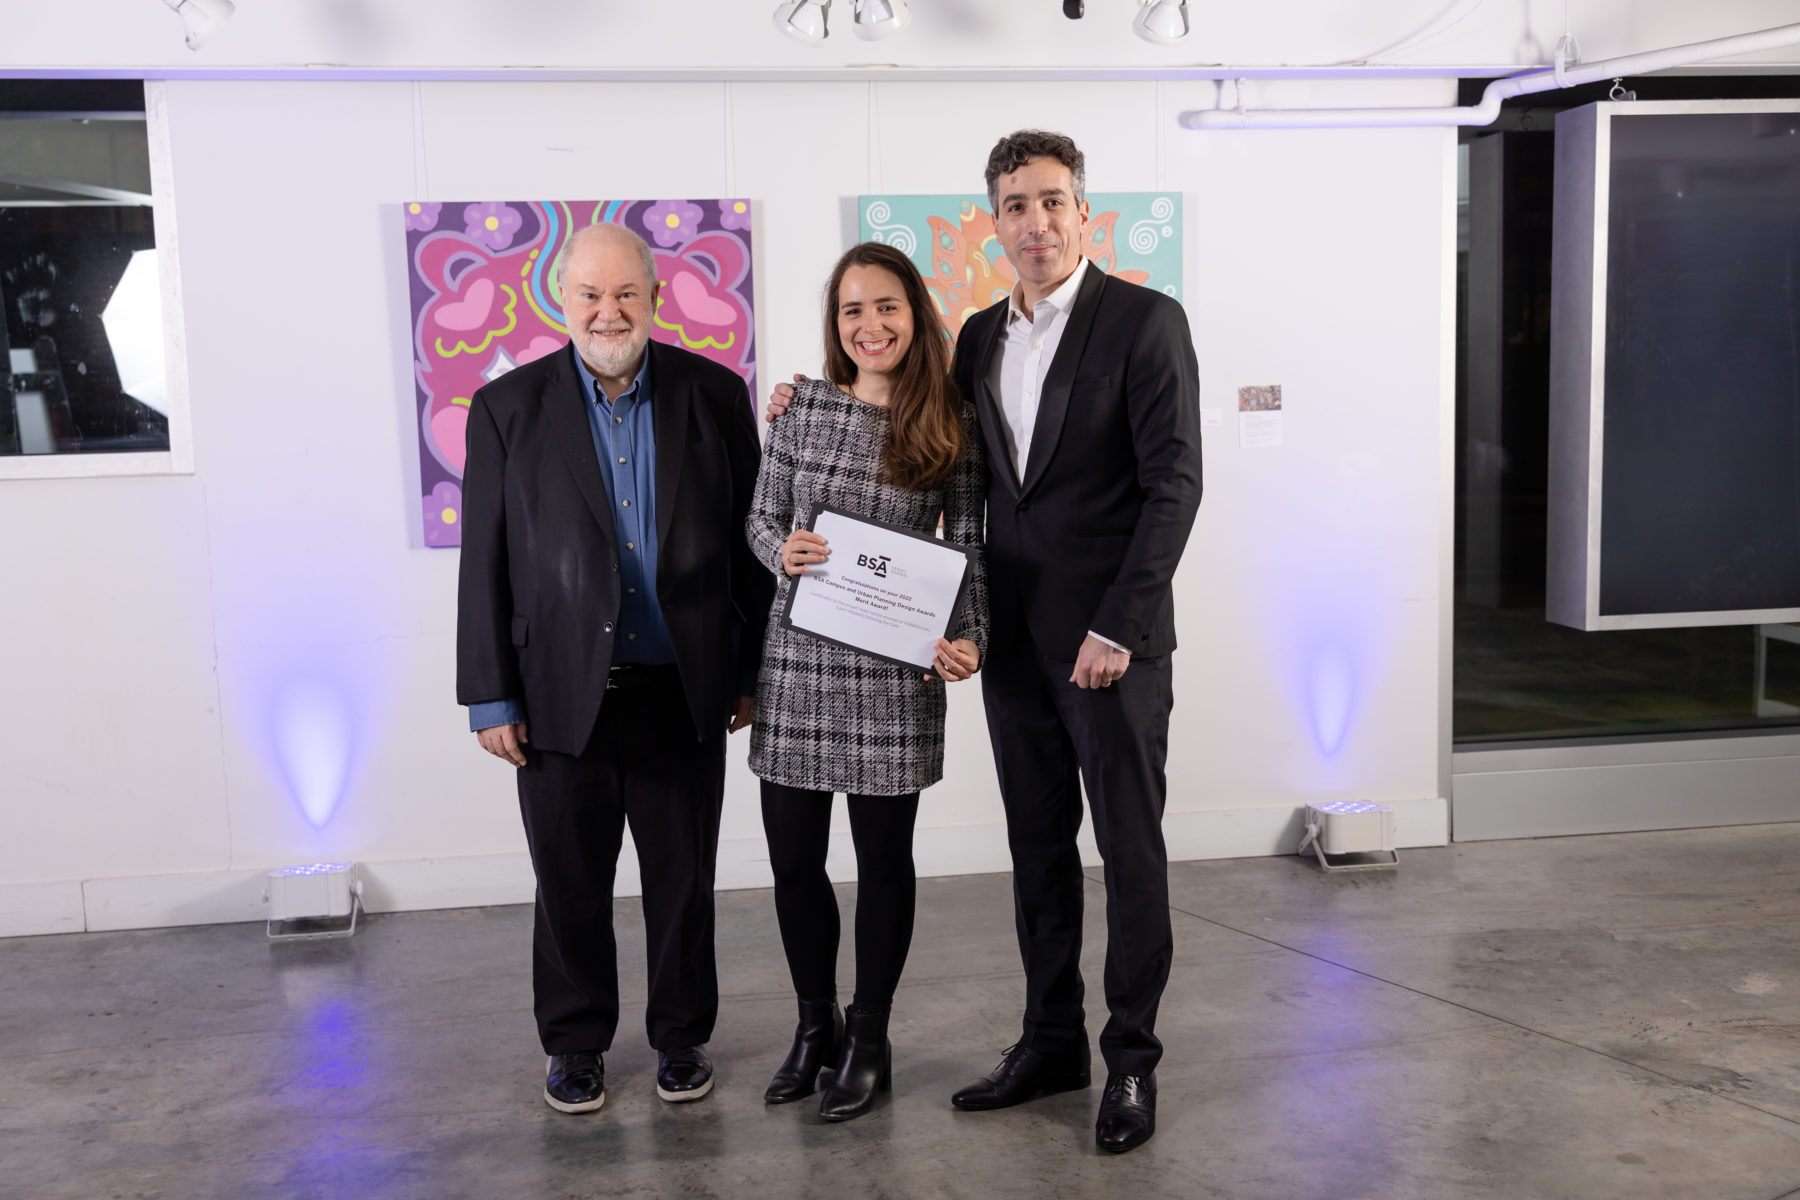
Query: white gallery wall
[163, 632]
[168, 649]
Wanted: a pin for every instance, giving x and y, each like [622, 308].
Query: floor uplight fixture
[1164, 22]
[201, 18]
[804, 20]
[1350, 829]
[316, 900]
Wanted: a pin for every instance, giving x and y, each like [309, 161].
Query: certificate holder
[887, 591]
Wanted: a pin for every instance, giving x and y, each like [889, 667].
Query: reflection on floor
[1518, 676]
[1586, 1017]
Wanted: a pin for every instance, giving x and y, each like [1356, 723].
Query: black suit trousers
[1044, 730]
[642, 765]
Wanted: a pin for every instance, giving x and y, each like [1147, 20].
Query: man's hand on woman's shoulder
[781, 398]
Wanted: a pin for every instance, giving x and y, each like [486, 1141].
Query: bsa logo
[877, 564]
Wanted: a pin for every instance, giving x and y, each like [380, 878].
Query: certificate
[886, 591]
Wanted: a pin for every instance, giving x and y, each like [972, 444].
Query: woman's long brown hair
[925, 434]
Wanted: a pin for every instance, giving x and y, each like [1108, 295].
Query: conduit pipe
[1497, 92]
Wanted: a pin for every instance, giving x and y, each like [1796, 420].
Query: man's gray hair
[1016, 149]
[605, 232]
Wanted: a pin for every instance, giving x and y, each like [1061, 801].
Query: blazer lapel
[1053, 405]
[987, 405]
[671, 396]
[565, 399]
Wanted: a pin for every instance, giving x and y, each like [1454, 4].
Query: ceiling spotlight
[803, 20]
[1073, 9]
[881, 18]
[1164, 22]
[201, 18]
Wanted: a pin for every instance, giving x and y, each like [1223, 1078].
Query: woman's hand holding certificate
[955, 660]
[802, 548]
[888, 592]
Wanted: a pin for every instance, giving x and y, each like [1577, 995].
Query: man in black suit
[1088, 394]
[609, 628]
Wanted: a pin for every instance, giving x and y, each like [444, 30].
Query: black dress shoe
[815, 1048]
[864, 1066]
[575, 1083]
[684, 1074]
[1127, 1113]
[1025, 1074]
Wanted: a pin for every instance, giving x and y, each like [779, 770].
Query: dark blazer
[539, 592]
[1090, 538]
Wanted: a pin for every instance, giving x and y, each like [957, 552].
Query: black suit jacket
[1090, 538]
[538, 596]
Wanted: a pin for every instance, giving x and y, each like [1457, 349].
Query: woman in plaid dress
[884, 436]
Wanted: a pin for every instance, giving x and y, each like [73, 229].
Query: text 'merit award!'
[886, 591]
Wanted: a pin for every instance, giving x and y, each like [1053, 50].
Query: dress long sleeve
[772, 508]
[965, 524]
[830, 718]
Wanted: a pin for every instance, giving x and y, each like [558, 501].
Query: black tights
[798, 825]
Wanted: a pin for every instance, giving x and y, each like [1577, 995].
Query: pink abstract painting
[483, 284]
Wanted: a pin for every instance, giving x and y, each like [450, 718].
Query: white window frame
[1579, 286]
[178, 459]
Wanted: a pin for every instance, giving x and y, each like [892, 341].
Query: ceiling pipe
[1497, 92]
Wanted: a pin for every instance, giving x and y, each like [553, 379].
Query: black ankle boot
[815, 1046]
[864, 1065]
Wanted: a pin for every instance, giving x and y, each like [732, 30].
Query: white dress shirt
[1027, 348]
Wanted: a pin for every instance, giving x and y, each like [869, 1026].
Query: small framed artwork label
[1259, 416]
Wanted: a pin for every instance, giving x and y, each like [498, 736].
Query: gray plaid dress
[829, 718]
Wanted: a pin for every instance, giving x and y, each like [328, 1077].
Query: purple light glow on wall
[313, 734]
[1318, 576]
[1332, 693]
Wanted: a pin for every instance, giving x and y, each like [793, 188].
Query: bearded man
[609, 626]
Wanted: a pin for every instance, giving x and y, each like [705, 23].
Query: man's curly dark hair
[1016, 149]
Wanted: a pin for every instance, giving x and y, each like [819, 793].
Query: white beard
[613, 364]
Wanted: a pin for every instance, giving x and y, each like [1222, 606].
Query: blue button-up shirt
[625, 439]
[624, 432]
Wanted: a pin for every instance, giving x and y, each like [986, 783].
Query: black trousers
[1044, 730]
[644, 765]
[797, 823]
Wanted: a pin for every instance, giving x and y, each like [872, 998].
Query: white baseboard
[408, 886]
[1556, 791]
[1257, 832]
[214, 897]
[154, 901]
[40, 908]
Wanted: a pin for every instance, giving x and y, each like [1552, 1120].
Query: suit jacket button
[607, 628]
[1024, 506]
[615, 564]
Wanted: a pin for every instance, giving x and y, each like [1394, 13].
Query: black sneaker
[683, 1074]
[575, 1083]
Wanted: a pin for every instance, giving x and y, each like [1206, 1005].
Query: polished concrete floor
[1586, 1017]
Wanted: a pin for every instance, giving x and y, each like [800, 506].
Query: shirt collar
[640, 385]
[1062, 299]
